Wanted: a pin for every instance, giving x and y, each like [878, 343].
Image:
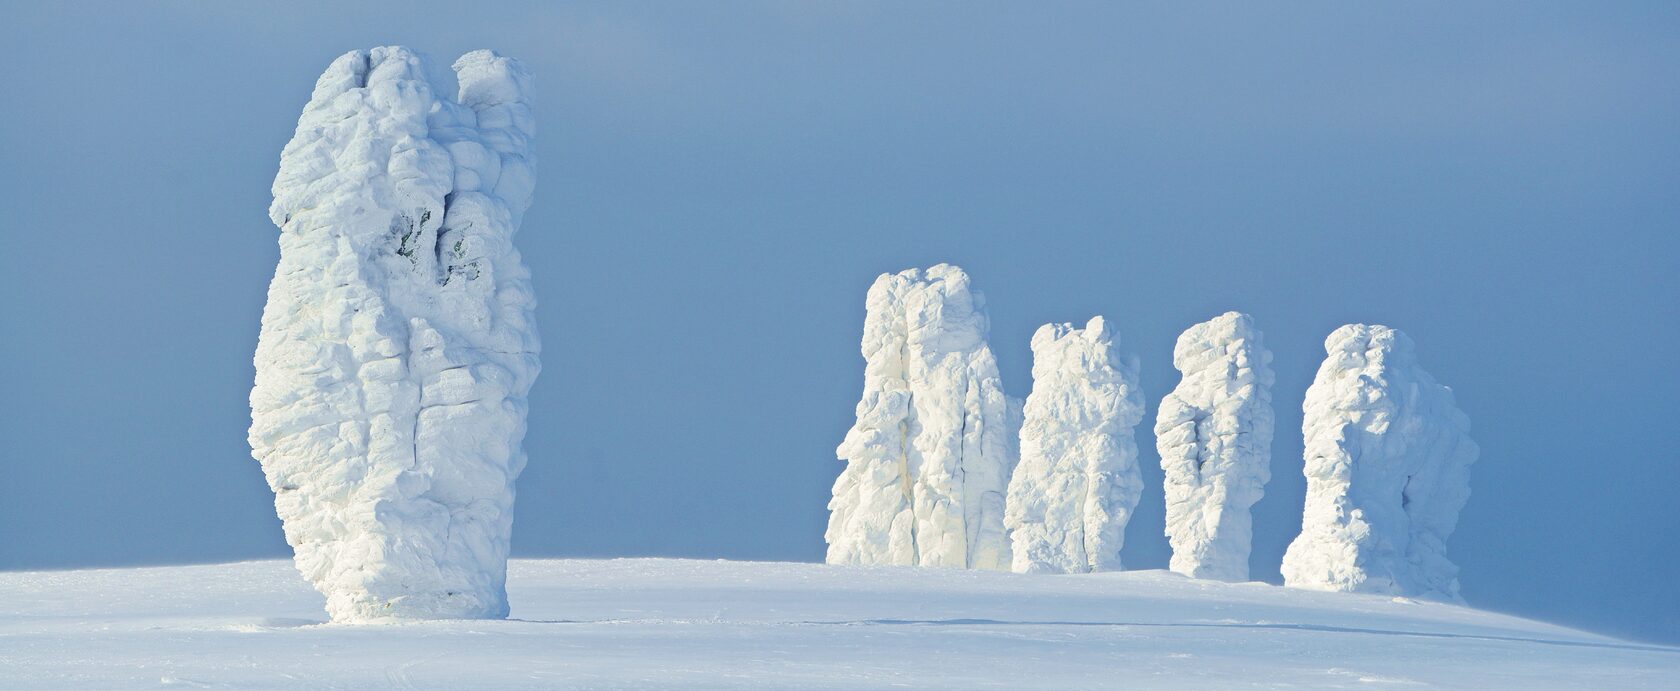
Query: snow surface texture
[1388, 468]
[1214, 433]
[675, 624]
[398, 343]
[1078, 481]
[928, 461]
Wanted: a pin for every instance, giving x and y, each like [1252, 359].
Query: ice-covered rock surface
[1388, 459]
[1214, 434]
[398, 345]
[928, 461]
[1077, 483]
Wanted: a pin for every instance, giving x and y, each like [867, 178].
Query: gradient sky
[720, 182]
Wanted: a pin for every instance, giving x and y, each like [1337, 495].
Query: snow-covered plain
[641, 623]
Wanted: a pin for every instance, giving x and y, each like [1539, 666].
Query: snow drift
[1387, 463]
[1214, 434]
[1078, 481]
[398, 345]
[928, 461]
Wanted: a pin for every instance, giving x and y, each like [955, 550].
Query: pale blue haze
[719, 184]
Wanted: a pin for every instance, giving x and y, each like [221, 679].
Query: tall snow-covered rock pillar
[1388, 459]
[1214, 434]
[1077, 483]
[398, 344]
[928, 460]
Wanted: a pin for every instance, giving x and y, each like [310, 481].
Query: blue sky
[720, 182]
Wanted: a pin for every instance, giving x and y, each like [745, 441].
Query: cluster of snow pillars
[1078, 482]
[928, 461]
[398, 343]
[1214, 434]
[1387, 465]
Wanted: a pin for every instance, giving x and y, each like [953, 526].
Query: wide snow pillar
[1214, 435]
[1077, 483]
[398, 344]
[1388, 459]
[928, 460]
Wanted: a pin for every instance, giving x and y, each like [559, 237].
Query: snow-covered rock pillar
[1388, 459]
[398, 345]
[1077, 483]
[1214, 434]
[928, 461]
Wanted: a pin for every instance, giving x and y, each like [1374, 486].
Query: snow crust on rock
[398, 342]
[1078, 483]
[1214, 434]
[1388, 459]
[928, 460]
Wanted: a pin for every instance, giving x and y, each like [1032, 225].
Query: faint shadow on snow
[275, 623]
[1317, 628]
[288, 622]
[1322, 628]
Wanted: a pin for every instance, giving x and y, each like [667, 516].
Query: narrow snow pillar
[1214, 434]
[928, 461]
[1387, 463]
[1078, 482]
[398, 344]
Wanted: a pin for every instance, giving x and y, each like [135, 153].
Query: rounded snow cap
[487, 78]
[1356, 340]
[1193, 346]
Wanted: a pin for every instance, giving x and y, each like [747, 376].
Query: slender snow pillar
[1214, 433]
[1078, 482]
[1388, 467]
[398, 345]
[928, 461]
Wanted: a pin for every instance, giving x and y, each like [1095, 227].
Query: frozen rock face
[1214, 434]
[1388, 467]
[928, 461]
[1077, 484]
[398, 346]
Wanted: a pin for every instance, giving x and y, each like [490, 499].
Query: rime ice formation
[1214, 433]
[398, 346]
[1387, 462]
[1078, 482]
[928, 461]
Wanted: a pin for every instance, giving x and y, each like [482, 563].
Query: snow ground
[666, 623]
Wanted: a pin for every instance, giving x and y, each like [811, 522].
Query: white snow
[1387, 463]
[1078, 482]
[655, 623]
[1214, 434]
[398, 345]
[928, 461]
